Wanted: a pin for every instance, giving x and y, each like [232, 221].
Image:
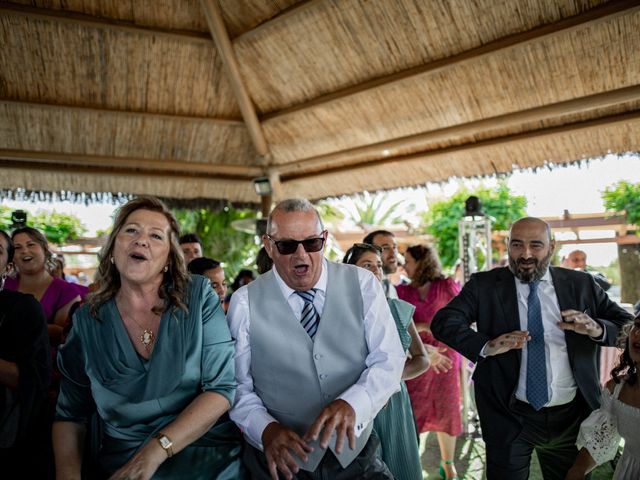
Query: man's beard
[389, 269]
[532, 275]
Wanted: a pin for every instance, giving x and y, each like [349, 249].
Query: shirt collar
[321, 284]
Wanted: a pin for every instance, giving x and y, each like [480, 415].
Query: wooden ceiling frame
[218, 30]
[384, 150]
[172, 167]
[546, 133]
[222, 122]
[74, 18]
[587, 18]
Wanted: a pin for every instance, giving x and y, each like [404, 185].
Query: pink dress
[435, 397]
[56, 296]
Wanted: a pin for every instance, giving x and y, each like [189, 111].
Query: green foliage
[237, 250]
[624, 197]
[366, 209]
[57, 227]
[441, 220]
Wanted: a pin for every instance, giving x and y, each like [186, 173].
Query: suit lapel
[565, 292]
[506, 290]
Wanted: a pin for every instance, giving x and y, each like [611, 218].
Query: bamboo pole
[385, 150]
[225, 48]
[603, 13]
[547, 134]
[167, 167]
[74, 18]
[126, 113]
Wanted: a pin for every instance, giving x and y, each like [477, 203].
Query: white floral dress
[600, 434]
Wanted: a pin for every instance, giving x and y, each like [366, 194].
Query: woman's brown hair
[626, 366]
[38, 237]
[428, 266]
[173, 289]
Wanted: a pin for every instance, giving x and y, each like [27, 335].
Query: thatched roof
[195, 99]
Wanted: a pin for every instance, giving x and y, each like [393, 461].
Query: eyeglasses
[289, 247]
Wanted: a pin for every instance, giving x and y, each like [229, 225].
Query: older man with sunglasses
[317, 356]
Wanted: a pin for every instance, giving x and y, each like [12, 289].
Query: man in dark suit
[537, 341]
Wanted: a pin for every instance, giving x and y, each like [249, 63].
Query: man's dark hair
[202, 264]
[189, 238]
[369, 238]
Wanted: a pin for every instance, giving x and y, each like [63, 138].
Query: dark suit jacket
[490, 300]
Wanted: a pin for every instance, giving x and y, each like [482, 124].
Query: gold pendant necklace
[147, 338]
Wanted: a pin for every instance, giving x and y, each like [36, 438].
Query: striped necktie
[309, 318]
[537, 389]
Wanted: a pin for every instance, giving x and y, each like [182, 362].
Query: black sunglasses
[288, 247]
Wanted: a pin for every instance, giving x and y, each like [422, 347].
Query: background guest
[151, 355]
[618, 416]
[32, 260]
[435, 396]
[244, 277]
[263, 261]
[212, 269]
[395, 424]
[191, 246]
[25, 370]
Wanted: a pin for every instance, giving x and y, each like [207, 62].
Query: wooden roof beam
[167, 167]
[385, 150]
[74, 18]
[225, 49]
[127, 113]
[598, 14]
[548, 133]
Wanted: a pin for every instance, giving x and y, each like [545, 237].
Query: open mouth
[27, 259]
[137, 256]
[301, 269]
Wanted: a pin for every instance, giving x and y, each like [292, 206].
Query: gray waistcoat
[296, 377]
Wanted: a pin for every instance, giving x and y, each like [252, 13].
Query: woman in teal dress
[148, 369]
[395, 425]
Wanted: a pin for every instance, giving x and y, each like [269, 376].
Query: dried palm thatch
[194, 99]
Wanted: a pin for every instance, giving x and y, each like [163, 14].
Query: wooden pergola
[192, 99]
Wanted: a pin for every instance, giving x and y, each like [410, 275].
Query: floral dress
[601, 432]
[435, 397]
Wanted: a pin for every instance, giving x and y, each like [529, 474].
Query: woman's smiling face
[29, 256]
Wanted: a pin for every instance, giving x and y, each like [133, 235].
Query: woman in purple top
[56, 296]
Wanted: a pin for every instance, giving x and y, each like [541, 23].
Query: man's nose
[300, 250]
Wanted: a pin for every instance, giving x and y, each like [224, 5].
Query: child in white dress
[618, 417]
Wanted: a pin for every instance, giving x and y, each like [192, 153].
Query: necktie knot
[307, 295]
[533, 287]
[309, 317]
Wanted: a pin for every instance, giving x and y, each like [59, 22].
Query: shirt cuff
[482, 352]
[602, 338]
[255, 428]
[358, 398]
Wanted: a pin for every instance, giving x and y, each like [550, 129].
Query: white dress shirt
[562, 385]
[367, 396]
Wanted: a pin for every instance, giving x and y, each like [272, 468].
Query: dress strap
[617, 388]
